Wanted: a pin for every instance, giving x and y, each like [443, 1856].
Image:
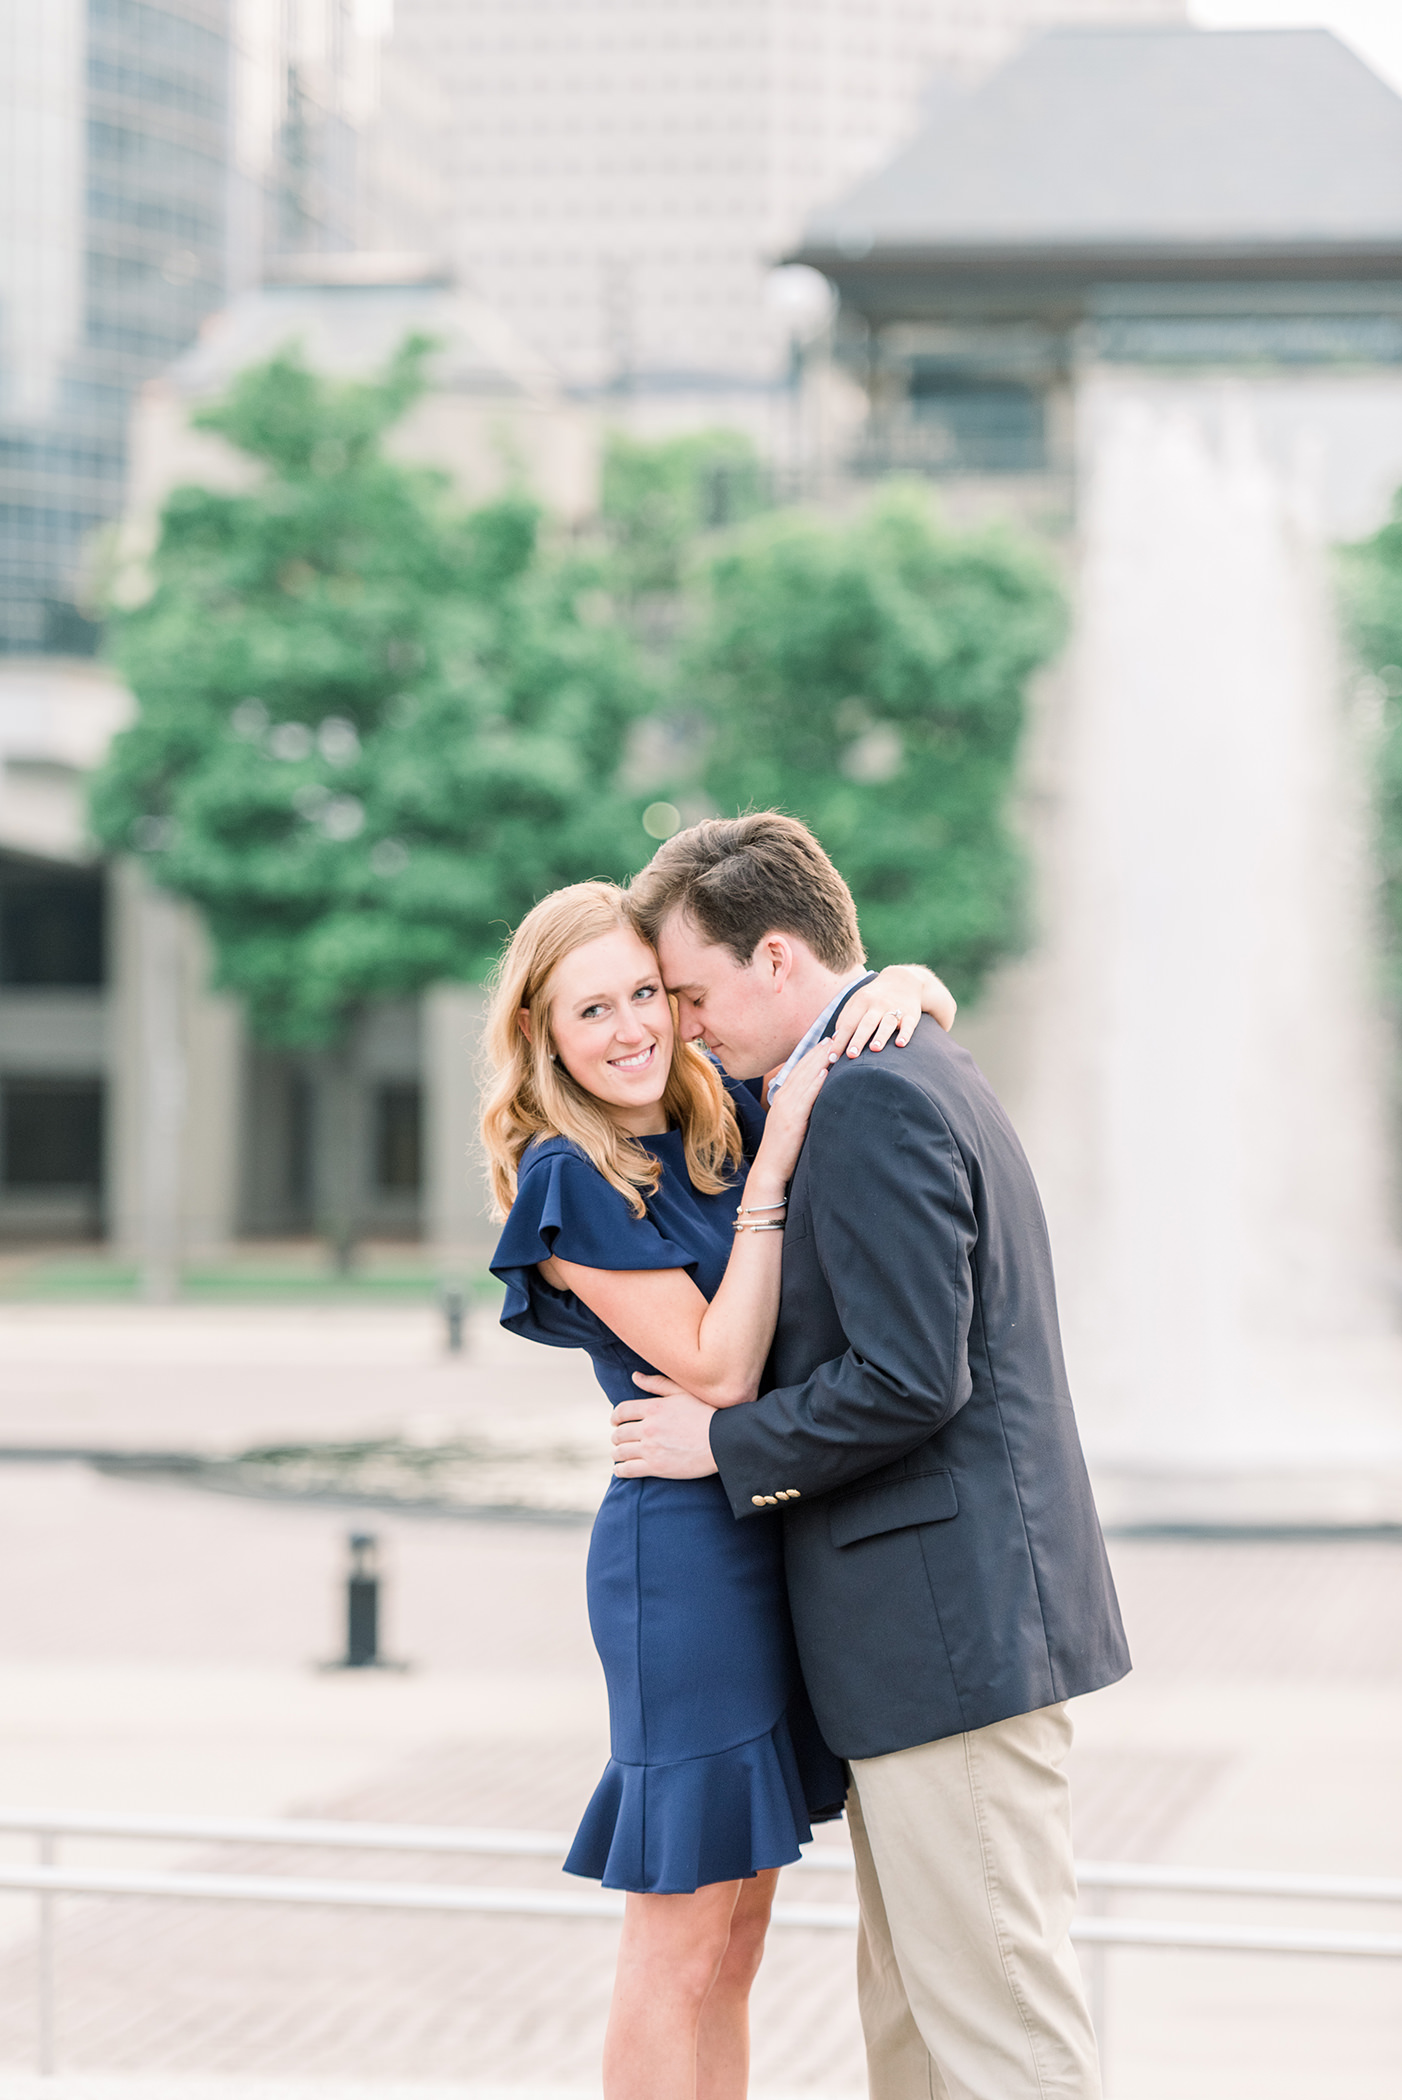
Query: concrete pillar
[457, 1221]
[214, 1099]
[174, 1062]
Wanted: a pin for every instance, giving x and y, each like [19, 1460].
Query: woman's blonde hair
[528, 1093]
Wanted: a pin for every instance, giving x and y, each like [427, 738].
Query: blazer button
[758, 1501]
[771, 1498]
[793, 1494]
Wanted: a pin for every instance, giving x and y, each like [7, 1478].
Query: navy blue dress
[717, 1769]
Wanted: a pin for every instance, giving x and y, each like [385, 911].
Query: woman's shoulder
[565, 1206]
[559, 1167]
[541, 1150]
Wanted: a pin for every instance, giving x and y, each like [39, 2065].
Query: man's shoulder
[881, 1089]
[931, 1064]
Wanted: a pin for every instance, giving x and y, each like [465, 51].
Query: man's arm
[894, 1232]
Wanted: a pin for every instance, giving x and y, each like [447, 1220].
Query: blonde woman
[643, 1194]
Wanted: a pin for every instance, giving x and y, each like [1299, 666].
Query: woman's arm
[891, 1005]
[717, 1350]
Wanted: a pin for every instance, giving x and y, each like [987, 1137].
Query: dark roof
[1155, 138]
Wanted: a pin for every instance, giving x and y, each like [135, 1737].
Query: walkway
[156, 1650]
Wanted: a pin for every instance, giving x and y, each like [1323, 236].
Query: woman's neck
[648, 1121]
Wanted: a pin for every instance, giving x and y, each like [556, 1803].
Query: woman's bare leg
[671, 1952]
[723, 2038]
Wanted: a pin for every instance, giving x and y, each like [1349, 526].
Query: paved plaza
[158, 1651]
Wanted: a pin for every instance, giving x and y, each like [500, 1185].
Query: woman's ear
[523, 1022]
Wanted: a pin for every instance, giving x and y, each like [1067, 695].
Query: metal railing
[1098, 1932]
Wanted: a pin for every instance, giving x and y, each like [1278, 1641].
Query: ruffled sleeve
[565, 1207]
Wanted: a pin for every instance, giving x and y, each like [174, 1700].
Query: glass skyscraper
[114, 196]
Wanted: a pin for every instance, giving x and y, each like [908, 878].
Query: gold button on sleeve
[793, 1494]
[758, 1501]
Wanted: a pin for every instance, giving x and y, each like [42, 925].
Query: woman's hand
[785, 1128]
[890, 1006]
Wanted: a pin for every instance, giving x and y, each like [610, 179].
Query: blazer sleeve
[894, 1232]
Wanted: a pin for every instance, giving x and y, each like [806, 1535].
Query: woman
[645, 1195]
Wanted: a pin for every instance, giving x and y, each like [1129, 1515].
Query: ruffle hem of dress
[669, 1829]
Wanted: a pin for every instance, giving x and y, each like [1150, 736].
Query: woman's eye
[591, 1013]
[646, 991]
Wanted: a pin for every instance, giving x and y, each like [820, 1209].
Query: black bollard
[454, 1310]
[363, 1603]
[363, 1609]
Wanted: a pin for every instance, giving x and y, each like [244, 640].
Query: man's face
[738, 1010]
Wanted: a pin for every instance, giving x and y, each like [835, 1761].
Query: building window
[398, 1138]
[51, 1134]
[51, 929]
[976, 425]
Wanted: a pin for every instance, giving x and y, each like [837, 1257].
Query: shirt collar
[818, 1030]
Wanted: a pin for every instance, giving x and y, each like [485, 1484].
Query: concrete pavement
[156, 1652]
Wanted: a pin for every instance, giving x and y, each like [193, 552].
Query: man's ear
[776, 957]
[523, 1022]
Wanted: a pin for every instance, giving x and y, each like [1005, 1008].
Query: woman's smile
[635, 1060]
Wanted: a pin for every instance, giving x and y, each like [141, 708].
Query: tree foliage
[657, 499]
[372, 729]
[870, 678]
[1372, 589]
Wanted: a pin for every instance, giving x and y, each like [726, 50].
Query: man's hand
[665, 1436]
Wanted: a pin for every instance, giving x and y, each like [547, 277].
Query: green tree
[371, 729]
[1371, 573]
[657, 499]
[870, 678]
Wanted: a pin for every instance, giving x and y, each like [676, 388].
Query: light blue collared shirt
[816, 1032]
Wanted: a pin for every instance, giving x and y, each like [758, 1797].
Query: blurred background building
[623, 176]
[155, 158]
[113, 248]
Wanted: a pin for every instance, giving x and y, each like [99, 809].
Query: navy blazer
[945, 1564]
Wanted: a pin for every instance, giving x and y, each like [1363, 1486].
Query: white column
[174, 1064]
[160, 1093]
[212, 1145]
[455, 1208]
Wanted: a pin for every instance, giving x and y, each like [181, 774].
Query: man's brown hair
[738, 878]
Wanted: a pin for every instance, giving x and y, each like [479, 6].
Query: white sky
[1373, 27]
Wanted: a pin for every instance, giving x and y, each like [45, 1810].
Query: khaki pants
[967, 1979]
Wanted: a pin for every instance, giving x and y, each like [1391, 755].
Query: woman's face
[612, 1026]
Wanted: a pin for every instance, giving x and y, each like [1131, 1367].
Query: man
[947, 1574]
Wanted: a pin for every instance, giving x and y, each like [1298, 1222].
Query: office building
[114, 124]
[623, 174]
